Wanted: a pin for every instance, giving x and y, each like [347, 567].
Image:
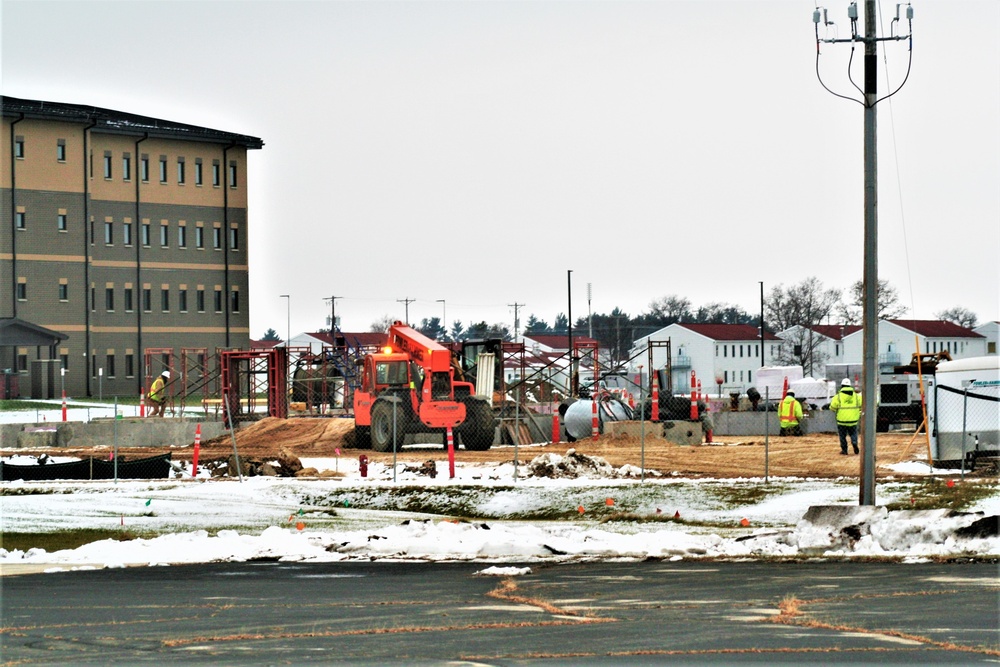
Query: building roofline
[118, 122]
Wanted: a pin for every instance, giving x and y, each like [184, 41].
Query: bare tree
[807, 303]
[887, 303]
[670, 309]
[963, 317]
[382, 324]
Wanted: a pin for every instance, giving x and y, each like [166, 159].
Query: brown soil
[806, 456]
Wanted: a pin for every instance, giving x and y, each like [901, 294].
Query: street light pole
[288, 323]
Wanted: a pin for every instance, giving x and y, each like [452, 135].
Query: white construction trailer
[963, 407]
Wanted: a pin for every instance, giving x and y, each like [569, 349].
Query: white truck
[964, 409]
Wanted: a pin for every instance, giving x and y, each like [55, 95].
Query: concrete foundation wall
[674, 432]
[753, 423]
[101, 433]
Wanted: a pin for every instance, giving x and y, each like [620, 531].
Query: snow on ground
[399, 514]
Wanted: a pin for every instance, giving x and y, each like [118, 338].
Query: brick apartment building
[119, 234]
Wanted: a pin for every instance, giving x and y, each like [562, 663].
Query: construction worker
[157, 397]
[789, 414]
[847, 406]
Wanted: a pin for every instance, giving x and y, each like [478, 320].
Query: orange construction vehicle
[409, 387]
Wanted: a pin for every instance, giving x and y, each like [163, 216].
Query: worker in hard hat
[847, 406]
[789, 415]
[157, 396]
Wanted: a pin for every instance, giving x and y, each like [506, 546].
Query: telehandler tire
[382, 427]
[477, 431]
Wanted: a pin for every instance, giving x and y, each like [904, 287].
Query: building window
[234, 301]
[19, 147]
[63, 292]
[164, 235]
[199, 237]
[64, 362]
[197, 171]
[93, 298]
[145, 234]
[232, 174]
[216, 173]
[127, 233]
[22, 291]
[182, 300]
[61, 222]
[21, 220]
[182, 239]
[127, 167]
[217, 238]
[128, 300]
[109, 299]
[109, 365]
[180, 171]
[164, 300]
[109, 233]
[129, 365]
[22, 363]
[218, 301]
[234, 238]
[93, 366]
[163, 169]
[725, 376]
[741, 353]
[147, 299]
[749, 376]
[200, 300]
[61, 150]
[107, 165]
[144, 169]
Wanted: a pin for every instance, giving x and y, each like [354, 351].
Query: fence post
[965, 411]
[767, 431]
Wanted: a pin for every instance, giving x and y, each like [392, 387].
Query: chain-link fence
[966, 421]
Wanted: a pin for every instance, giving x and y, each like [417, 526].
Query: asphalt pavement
[269, 613]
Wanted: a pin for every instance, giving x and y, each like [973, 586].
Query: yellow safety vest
[847, 405]
[790, 412]
[156, 391]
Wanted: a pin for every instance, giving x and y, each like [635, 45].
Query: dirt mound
[305, 437]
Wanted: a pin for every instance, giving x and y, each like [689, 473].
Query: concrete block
[836, 517]
[682, 433]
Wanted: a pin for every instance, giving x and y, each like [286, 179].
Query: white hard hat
[846, 382]
[165, 374]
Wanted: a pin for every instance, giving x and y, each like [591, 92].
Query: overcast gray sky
[476, 151]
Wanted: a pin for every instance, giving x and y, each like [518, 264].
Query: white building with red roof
[726, 354]
[899, 339]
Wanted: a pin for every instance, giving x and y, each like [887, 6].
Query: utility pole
[869, 309]
[517, 322]
[406, 302]
[333, 316]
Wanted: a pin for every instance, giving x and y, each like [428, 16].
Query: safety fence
[966, 421]
[91, 468]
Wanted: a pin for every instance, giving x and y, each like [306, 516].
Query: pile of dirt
[304, 437]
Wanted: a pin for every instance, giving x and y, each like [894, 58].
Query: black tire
[362, 437]
[382, 427]
[478, 429]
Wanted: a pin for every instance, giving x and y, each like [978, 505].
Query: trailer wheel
[478, 429]
[382, 427]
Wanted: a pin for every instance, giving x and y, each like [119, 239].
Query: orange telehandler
[409, 387]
